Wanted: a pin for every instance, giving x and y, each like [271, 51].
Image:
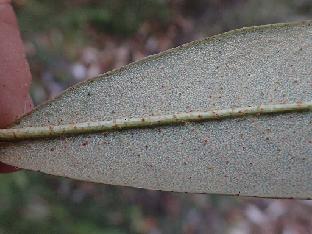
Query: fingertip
[15, 77]
[7, 169]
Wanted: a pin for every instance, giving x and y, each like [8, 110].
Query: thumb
[15, 75]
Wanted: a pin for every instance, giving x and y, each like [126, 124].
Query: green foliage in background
[110, 16]
[34, 203]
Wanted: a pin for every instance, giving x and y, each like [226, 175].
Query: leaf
[259, 155]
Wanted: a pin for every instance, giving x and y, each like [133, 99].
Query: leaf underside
[267, 156]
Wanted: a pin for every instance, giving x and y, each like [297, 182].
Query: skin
[15, 76]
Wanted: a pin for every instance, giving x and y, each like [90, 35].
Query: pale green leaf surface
[266, 155]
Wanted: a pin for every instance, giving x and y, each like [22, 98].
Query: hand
[15, 75]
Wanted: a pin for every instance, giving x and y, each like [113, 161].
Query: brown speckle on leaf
[85, 143]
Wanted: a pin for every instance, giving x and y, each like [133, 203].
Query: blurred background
[68, 41]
